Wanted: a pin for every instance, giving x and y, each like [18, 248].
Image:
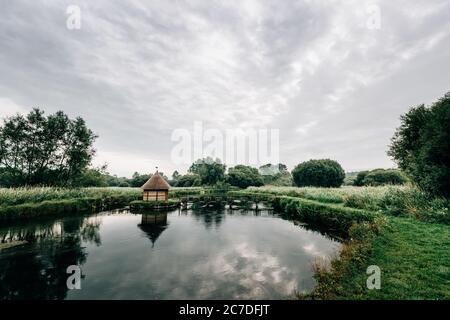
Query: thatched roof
[156, 182]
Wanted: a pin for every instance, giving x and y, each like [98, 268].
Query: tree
[359, 181]
[92, 177]
[380, 177]
[421, 146]
[276, 175]
[52, 150]
[244, 176]
[138, 180]
[318, 173]
[210, 171]
[188, 180]
[115, 181]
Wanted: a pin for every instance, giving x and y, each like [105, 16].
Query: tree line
[55, 150]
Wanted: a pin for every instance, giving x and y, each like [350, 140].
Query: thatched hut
[156, 188]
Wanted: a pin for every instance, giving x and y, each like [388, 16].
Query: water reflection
[37, 270]
[209, 218]
[197, 254]
[153, 225]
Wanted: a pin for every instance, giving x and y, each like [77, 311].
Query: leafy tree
[52, 150]
[124, 184]
[276, 175]
[421, 146]
[210, 171]
[244, 176]
[359, 181]
[92, 177]
[280, 179]
[188, 180]
[138, 180]
[318, 173]
[115, 181]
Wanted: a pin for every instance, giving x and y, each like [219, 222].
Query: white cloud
[139, 70]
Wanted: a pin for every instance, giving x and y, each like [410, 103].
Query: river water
[219, 254]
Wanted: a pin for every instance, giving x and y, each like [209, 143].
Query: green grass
[16, 196]
[327, 195]
[405, 201]
[414, 258]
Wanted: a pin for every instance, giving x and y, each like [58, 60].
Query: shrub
[359, 181]
[417, 204]
[244, 176]
[380, 177]
[319, 173]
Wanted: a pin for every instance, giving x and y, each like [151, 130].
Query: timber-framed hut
[156, 188]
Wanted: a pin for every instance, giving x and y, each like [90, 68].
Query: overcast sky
[321, 72]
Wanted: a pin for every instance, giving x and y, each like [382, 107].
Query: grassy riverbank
[28, 203]
[407, 235]
[414, 258]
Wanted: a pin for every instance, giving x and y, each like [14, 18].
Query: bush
[319, 173]
[244, 176]
[417, 204]
[124, 184]
[380, 177]
[421, 146]
[359, 181]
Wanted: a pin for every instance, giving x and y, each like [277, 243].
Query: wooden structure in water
[156, 188]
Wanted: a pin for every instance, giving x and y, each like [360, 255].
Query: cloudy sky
[330, 75]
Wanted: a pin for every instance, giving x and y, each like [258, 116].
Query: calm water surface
[177, 255]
